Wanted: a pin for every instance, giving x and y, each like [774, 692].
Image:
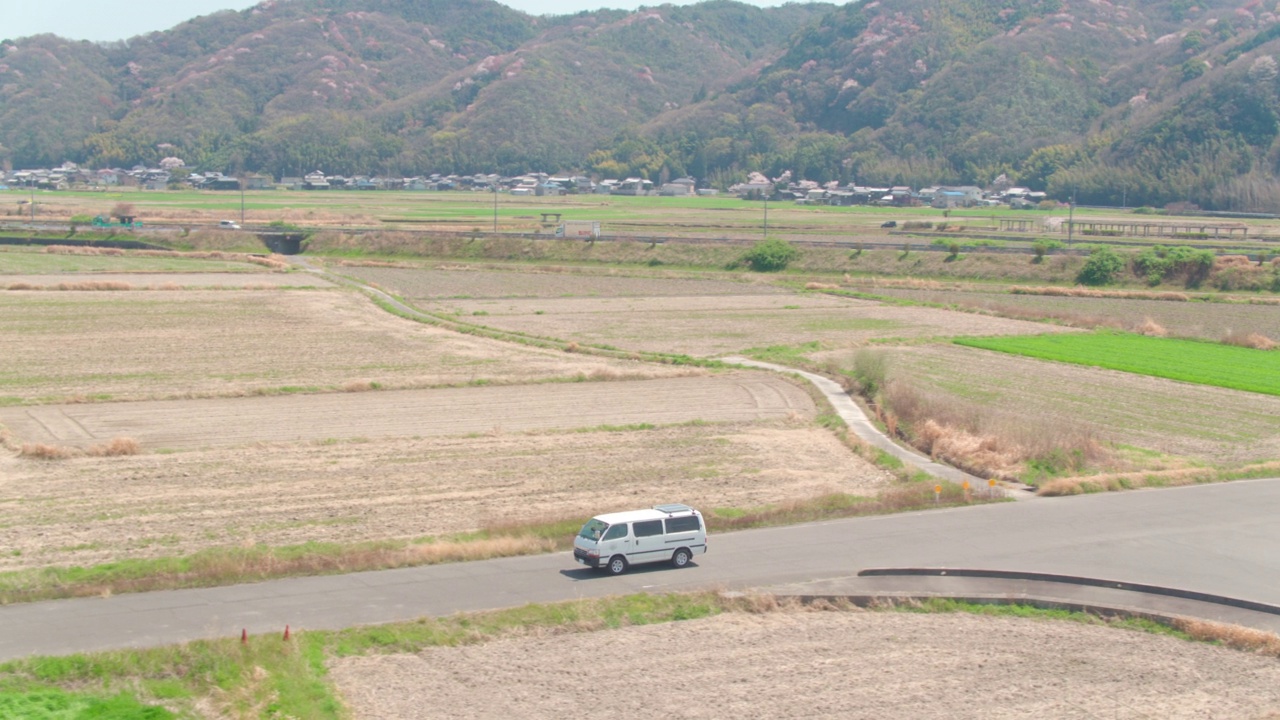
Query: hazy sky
[120, 19]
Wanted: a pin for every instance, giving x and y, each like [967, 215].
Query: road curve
[1219, 539]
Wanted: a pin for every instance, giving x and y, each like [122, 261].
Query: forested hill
[1155, 101]
[396, 86]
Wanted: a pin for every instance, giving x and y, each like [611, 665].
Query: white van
[616, 541]
[228, 225]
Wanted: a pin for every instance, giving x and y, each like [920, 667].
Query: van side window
[616, 531]
[683, 524]
[648, 528]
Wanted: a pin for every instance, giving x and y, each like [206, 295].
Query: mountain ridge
[1157, 101]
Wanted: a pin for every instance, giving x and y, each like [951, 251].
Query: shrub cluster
[1101, 267]
[1160, 263]
[770, 255]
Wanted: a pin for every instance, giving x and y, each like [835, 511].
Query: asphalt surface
[1220, 539]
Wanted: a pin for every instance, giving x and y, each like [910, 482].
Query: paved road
[1219, 539]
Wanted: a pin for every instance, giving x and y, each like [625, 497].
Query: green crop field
[1190, 361]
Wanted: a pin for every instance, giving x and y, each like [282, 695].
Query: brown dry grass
[1151, 328]
[1258, 642]
[985, 441]
[1254, 340]
[41, 451]
[275, 262]
[82, 250]
[905, 283]
[92, 285]
[1080, 291]
[116, 447]
[255, 563]
[1226, 261]
[1112, 482]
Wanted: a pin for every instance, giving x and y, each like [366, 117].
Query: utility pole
[1071, 215]
[242, 201]
[32, 183]
[495, 207]
[765, 235]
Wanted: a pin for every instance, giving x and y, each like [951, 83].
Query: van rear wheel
[617, 565]
[681, 558]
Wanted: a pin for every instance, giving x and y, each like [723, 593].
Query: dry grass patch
[91, 286]
[1112, 482]
[985, 441]
[1150, 328]
[82, 250]
[42, 451]
[1080, 291]
[1258, 642]
[1254, 340]
[116, 447]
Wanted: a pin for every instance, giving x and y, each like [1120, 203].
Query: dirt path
[821, 665]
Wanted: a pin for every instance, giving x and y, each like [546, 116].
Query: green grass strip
[1193, 361]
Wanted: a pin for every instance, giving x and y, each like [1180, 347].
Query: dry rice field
[353, 490]
[703, 318]
[211, 343]
[171, 281]
[1205, 320]
[809, 664]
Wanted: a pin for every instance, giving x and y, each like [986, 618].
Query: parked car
[889, 224]
[228, 225]
[616, 541]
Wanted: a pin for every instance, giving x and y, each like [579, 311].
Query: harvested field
[723, 324]
[170, 281]
[1203, 423]
[823, 665]
[1209, 321]
[203, 343]
[93, 510]
[547, 282]
[185, 424]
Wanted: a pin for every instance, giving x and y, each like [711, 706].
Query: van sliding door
[649, 545]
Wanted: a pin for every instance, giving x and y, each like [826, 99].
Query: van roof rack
[672, 508]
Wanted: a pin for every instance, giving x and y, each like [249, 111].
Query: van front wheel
[617, 565]
[681, 558]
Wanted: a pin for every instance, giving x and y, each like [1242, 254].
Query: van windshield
[593, 529]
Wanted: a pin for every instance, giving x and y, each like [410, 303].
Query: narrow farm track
[180, 424]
